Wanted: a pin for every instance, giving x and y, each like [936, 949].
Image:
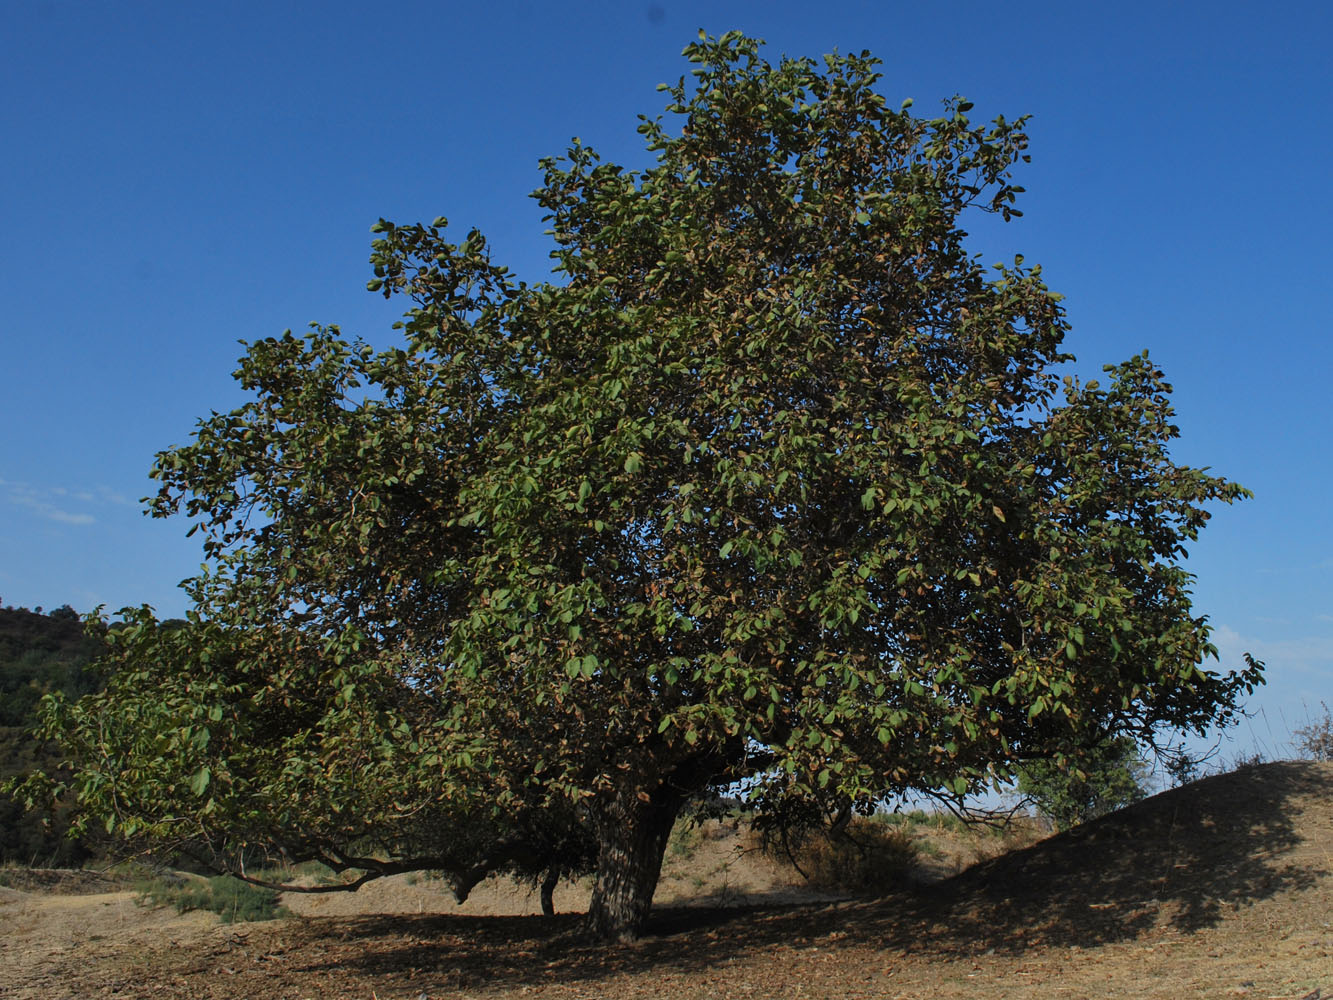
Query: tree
[775, 486]
[1107, 777]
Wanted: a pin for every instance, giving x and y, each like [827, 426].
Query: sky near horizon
[177, 177]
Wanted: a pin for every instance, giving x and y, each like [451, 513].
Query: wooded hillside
[39, 653]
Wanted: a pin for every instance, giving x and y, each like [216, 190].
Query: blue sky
[176, 177]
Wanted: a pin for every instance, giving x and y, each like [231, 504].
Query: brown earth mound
[1186, 859]
[1221, 888]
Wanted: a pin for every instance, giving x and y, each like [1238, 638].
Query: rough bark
[632, 837]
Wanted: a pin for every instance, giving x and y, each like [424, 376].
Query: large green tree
[774, 485]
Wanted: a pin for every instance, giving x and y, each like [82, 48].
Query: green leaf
[199, 783]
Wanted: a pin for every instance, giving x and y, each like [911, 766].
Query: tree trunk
[632, 837]
[549, 883]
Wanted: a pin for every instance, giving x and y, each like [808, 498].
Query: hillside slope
[1255, 841]
[1220, 888]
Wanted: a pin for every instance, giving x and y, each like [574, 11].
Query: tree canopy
[772, 485]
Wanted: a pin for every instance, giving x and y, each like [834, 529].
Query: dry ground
[1223, 888]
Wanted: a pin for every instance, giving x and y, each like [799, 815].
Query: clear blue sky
[175, 177]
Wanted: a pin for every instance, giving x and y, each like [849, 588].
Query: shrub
[1183, 767]
[684, 841]
[1102, 779]
[869, 858]
[1316, 740]
[233, 900]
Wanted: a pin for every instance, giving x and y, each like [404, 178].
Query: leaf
[633, 462]
[200, 781]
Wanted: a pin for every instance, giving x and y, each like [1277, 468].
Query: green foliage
[936, 821]
[684, 840]
[233, 900]
[1107, 777]
[777, 484]
[39, 655]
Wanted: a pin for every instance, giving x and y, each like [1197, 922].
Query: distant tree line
[39, 654]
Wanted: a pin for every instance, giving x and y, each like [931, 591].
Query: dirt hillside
[1222, 888]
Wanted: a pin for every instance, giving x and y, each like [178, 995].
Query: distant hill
[39, 654]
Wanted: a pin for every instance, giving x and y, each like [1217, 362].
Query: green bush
[1101, 779]
[233, 900]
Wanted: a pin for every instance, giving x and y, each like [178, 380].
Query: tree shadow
[1183, 859]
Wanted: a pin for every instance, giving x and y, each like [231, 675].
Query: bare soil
[1223, 888]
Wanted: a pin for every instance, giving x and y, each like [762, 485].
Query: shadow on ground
[1182, 860]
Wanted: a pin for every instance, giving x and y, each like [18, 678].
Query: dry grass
[1221, 888]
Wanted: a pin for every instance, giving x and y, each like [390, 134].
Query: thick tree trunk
[632, 837]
